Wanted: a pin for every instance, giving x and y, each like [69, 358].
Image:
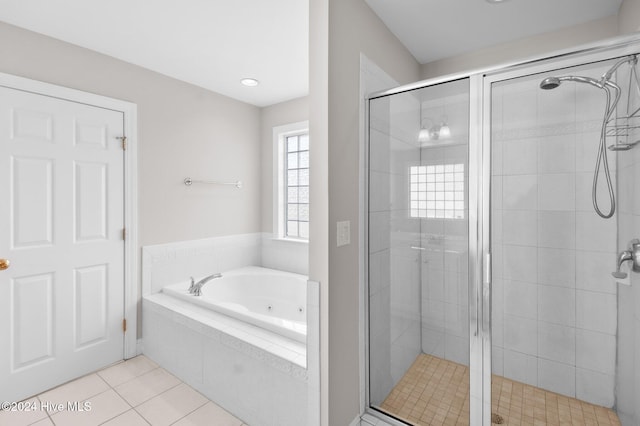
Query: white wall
[524, 48]
[183, 131]
[319, 180]
[629, 17]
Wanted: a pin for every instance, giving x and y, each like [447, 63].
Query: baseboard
[356, 421]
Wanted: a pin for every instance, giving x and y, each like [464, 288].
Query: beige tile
[435, 391]
[171, 405]
[127, 370]
[209, 414]
[104, 407]
[78, 390]
[24, 414]
[129, 418]
[145, 387]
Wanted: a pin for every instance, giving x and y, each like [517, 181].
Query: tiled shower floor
[136, 392]
[435, 391]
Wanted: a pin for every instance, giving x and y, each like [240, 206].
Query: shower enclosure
[490, 290]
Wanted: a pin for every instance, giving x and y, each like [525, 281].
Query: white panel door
[61, 221]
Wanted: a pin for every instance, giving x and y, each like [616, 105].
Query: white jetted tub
[271, 299]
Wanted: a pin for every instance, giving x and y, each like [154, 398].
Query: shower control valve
[632, 254]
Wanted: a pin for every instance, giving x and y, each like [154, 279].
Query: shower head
[550, 83]
[553, 82]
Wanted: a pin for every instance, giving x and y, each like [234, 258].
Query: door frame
[129, 110]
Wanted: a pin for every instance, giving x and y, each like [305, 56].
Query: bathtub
[267, 298]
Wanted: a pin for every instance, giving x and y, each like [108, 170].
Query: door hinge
[123, 139]
[124, 325]
[124, 234]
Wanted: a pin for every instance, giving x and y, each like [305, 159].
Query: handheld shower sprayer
[612, 91]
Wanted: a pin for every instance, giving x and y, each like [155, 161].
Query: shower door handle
[486, 295]
[487, 270]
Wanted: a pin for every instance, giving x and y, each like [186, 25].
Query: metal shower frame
[479, 217]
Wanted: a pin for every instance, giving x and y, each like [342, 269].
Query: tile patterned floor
[135, 392]
[436, 392]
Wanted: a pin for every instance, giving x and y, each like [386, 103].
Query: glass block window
[437, 191]
[297, 186]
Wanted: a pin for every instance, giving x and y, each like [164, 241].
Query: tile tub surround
[279, 366]
[165, 264]
[170, 263]
[258, 375]
[131, 393]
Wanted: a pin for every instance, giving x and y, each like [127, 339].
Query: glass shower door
[554, 308]
[418, 239]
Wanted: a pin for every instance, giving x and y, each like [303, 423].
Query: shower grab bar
[188, 181]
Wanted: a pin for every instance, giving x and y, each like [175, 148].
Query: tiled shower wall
[394, 268]
[417, 267]
[554, 306]
[445, 306]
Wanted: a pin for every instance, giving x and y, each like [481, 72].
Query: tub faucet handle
[193, 284]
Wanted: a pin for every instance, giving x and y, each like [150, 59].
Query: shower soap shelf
[625, 126]
[622, 126]
[624, 130]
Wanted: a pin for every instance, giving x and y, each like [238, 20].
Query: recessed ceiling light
[496, 1]
[251, 82]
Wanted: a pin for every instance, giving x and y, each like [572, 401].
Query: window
[437, 191]
[291, 181]
[297, 184]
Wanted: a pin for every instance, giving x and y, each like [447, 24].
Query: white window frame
[280, 134]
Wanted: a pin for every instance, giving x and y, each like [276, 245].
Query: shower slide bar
[188, 182]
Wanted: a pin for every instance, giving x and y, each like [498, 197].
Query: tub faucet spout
[196, 287]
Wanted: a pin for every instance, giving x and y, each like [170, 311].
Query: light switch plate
[344, 233]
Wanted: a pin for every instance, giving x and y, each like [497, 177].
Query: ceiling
[210, 43]
[437, 29]
[216, 43]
